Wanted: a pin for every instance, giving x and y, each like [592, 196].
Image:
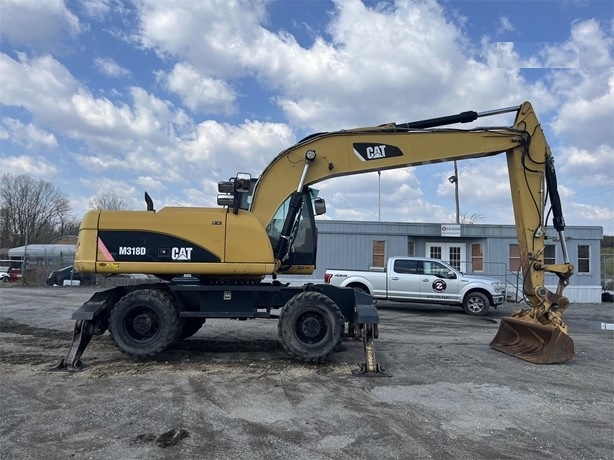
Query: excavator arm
[537, 334]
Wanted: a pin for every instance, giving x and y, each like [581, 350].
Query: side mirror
[319, 206]
[225, 200]
[226, 186]
[242, 182]
[451, 275]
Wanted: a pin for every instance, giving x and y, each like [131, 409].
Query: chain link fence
[36, 271]
[607, 272]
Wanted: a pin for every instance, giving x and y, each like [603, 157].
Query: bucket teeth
[533, 342]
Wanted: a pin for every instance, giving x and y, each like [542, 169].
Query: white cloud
[110, 68]
[586, 118]
[585, 215]
[44, 24]
[37, 166]
[99, 185]
[505, 25]
[96, 9]
[207, 34]
[538, 55]
[26, 135]
[150, 183]
[596, 165]
[222, 149]
[200, 93]
[594, 44]
[40, 85]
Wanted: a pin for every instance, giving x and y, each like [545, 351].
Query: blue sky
[173, 96]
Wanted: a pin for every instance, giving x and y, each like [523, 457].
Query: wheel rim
[142, 323]
[475, 305]
[311, 327]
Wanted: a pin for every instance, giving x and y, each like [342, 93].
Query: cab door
[404, 280]
[302, 257]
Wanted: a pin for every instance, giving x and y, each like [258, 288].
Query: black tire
[189, 326]
[5, 279]
[143, 323]
[476, 304]
[310, 326]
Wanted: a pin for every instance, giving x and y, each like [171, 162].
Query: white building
[44, 254]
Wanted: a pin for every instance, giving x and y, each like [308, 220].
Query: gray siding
[348, 244]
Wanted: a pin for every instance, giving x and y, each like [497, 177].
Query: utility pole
[454, 180]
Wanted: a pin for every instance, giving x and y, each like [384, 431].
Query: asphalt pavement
[231, 391]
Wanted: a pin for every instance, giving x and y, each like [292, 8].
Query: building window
[435, 252]
[550, 254]
[455, 257]
[379, 254]
[411, 248]
[477, 257]
[514, 258]
[584, 258]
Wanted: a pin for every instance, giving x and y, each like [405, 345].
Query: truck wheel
[310, 326]
[476, 304]
[143, 323]
[189, 326]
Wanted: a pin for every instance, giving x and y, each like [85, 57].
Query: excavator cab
[292, 230]
[301, 254]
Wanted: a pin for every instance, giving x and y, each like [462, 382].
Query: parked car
[57, 277]
[424, 280]
[4, 277]
[14, 275]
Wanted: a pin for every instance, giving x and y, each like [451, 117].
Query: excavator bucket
[533, 342]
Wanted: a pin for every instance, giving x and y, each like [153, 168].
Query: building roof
[43, 250]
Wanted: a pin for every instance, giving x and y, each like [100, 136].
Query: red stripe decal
[105, 252]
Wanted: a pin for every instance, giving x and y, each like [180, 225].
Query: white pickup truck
[423, 280]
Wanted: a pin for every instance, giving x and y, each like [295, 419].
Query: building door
[453, 253]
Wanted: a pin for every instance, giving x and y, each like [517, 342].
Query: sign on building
[450, 230]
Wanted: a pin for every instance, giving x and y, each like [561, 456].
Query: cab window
[435, 269]
[411, 267]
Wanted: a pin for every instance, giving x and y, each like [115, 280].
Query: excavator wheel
[310, 326]
[533, 342]
[143, 323]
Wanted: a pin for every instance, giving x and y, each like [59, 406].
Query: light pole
[454, 180]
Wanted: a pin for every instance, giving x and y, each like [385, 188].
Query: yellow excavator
[266, 227]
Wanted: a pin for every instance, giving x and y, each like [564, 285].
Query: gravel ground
[231, 392]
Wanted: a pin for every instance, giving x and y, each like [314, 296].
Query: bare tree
[466, 218]
[108, 201]
[31, 210]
